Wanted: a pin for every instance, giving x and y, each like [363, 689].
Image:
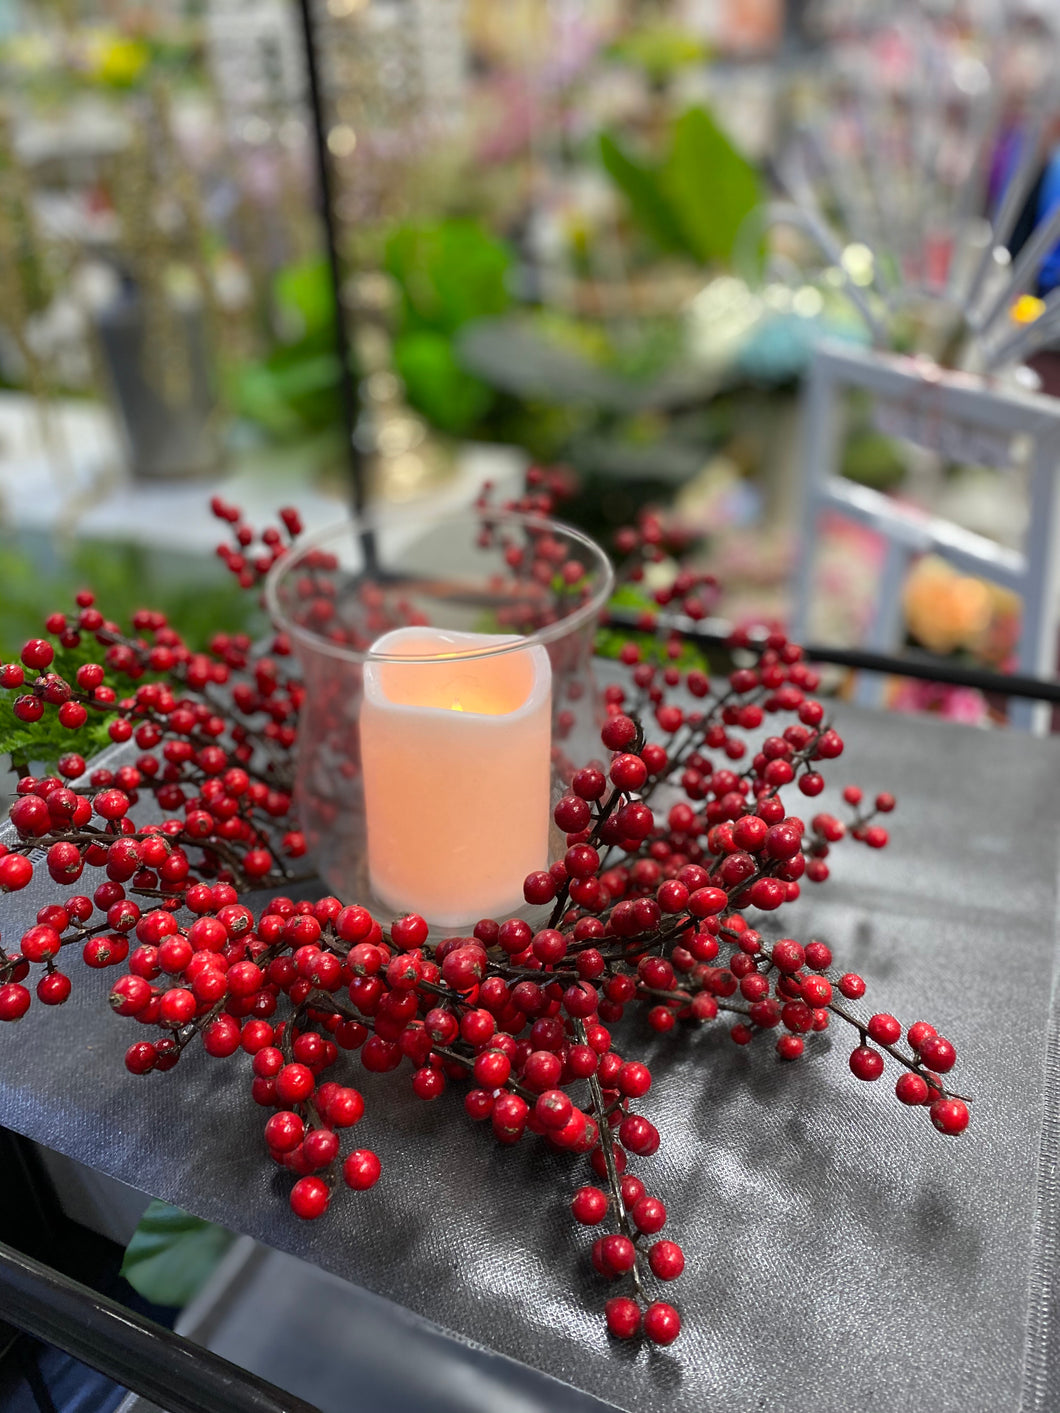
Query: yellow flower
[1026, 309]
[114, 60]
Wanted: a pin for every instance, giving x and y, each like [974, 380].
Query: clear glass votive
[449, 694]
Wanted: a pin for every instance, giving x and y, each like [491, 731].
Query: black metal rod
[933, 669]
[348, 397]
[138, 1354]
[715, 633]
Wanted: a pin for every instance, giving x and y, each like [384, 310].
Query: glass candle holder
[449, 694]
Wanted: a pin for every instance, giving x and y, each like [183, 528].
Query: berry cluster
[670, 844]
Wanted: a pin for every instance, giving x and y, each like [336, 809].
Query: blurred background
[604, 234]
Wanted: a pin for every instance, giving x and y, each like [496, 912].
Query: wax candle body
[456, 755]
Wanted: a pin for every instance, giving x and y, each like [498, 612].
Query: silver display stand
[963, 418]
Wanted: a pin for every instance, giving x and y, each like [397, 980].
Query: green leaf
[305, 290]
[710, 186]
[448, 273]
[15, 738]
[172, 1254]
[435, 383]
[639, 184]
[43, 742]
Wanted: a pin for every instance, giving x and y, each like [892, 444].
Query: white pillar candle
[456, 755]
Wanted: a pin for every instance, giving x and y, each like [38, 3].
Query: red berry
[284, 1131]
[553, 1109]
[884, 1029]
[589, 1206]
[509, 1117]
[409, 931]
[111, 804]
[478, 1104]
[935, 1051]
[542, 1070]
[866, 1063]
[767, 894]
[618, 733]
[634, 1079]
[466, 966]
[788, 955]
[649, 1214]
[918, 1032]
[666, 1259]
[130, 994]
[110, 949]
[912, 1089]
[790, 1047]
[354, 924]
[177, 1007]
[623, 1317]
[39, 943]
[140, 1058]
[617, 1255]
[174, 954]
[639, 1135]
[427, 1083]
[38, 653]
[221, 1037]
[539, 888]
[492, 1069]
[818, 956]
[14, 1002]
[293, 1083]
[817, 991]
[830, 745]
[949, 1115]
[706, 902]
[309, 1198]
[662, 1323]
[54, 988]
[31, 817]
[851, 986]
[589, 783]
[628, 772]
[320, 1147]
[72, 715]
[361, 1169]
[15, 872]
[572, 814]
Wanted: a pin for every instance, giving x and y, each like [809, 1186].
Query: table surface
[840, 1254]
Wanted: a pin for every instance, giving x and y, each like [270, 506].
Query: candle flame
[455, 706]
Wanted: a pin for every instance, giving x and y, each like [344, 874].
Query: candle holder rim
[570, 623]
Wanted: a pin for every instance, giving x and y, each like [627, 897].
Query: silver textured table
[841, 1255]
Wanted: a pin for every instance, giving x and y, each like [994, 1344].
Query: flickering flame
[455, 706]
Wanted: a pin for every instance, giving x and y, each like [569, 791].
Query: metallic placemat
[842, 1256]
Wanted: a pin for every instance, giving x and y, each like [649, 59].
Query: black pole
[715, 634]
[343, 346]
[138, 1354]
